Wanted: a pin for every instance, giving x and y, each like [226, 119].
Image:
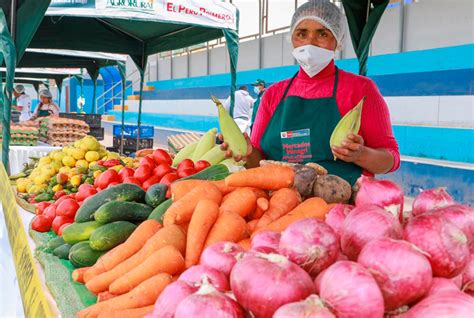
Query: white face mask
[256, 90]
[313, 59]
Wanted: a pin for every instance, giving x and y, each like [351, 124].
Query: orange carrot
[251, 226]
[220, 184]
[184, 227]
[281, 202]
[241, 201]
[169, 235]
[129, 313]
[78, 274]
[180, 188]
[143, 295]
[106, 295]
[310, 208]
[245, 244]
[262, 206]
[259, 193]
[204, 217]
[181, 211]
[123, 251]
[166, 260]
[229, 226]
[270, 177]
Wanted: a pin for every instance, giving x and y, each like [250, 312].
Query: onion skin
[443, 304]
[311, 307]
[351, 291]
[172, 295]
[431, 199]
[195, 275]
[402, 272]
[221, 256]
[443, 242]
[364, 224]
[267, 239]
[440, 285]
[263, 283]
[460, 215]
[336, 216]
[468, 276]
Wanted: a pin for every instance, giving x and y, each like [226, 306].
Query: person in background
[23, 103]
[259, 89]
[242, 108]
[46, 107]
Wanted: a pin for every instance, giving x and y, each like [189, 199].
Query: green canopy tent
[363, 17]
[30, 81]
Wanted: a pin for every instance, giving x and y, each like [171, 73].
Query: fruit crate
[131, 131]
[130, 144]
[93, 120]
[97, 132]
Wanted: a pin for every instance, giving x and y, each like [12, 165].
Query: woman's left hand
[352, 149]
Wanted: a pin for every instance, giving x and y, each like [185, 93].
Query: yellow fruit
[113, 155]
[78, 154]
[34, 189]
[59, 156]
[82, 164]
[49, 172]
[91, 164]
[102, 152]
[128, 161]
[57, 188]
[69, 161]
[45, 160]
[56, 165]
[90, 143]
[76, 180]
[97, 174]
[117, 167]
[65, 170]
[77, 144]
[92, 156]
[39, 180]
[29, 185]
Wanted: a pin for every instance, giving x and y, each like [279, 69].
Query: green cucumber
[156, 194]
[78, 232]
[62, 251]
[120, 192]
[217, 172]
[53, 244]
[110, 235]
[122, 211]
[82, 255]
[160, 210]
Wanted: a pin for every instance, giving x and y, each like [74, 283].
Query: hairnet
[324, 12]
[20, 89]
[45, 93]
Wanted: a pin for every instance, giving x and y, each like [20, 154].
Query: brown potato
[304, 180]
[332, 189]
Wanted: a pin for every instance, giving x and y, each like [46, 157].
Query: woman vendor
[297, 116]
[46, 106]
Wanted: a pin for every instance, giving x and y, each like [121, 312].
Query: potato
[304, 180]
[332, 189]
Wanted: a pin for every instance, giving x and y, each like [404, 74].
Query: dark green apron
[256, 105]
[43, 113]
[300, 129]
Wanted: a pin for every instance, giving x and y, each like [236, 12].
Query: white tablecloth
[21, 154]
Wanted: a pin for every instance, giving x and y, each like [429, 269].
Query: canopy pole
[13, 20]
[123, 115]
[142, 73]
[94, 91]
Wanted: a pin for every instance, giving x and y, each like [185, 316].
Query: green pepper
[89, 180]
[43, 197]
[53, 181]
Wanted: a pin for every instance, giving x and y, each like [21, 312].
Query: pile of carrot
[129, 278]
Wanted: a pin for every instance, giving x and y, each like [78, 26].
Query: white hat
[20, 89]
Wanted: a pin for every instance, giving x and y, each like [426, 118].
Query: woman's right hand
[228, 152]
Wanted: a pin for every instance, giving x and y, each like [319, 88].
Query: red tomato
[148, 160]
[169, 178]
[59, 221]
[85, 186]
[113, 184]
[162, 170]
[62, 178]
[59, 194]
[107, 177]
[61, 228]
[40, 207]
[186, 172]
[50, 212]
[85, 193]
[186, 163]
[125, 172]
[61, 199]
[143, 173]
[96, 182]
[132, 180]
[41, 223]
[162, 156]
[67, 208]
[201, 165]
[148, 183]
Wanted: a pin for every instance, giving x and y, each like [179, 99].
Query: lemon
[77, 144]
[69, 161]
[53, 153]
[97, 173]
[89, 143]
[21, 187]
[39, 180]
[92, 156]
[102, 152]
[113, 155]
[65, 170]
[59, 156]
[76, 180]
[91, 164]
[78, 154]
[82, 164]
[57, 188]
[45, 160]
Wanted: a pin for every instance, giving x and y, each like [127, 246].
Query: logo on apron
[296, 145]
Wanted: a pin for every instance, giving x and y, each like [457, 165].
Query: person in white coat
[23, 103]
[242, 108]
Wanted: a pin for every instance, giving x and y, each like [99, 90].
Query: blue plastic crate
[132, 131]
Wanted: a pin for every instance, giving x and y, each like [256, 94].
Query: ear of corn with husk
[185, 153]
[207, 142]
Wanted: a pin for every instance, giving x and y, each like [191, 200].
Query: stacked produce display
[59, 132]
[23, 135]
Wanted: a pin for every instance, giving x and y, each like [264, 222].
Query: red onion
[351, 291]
[431, 199]
[384, 193]
[364, 224]
[402, 272]
[443, 304]
[266, 238]
[336, 216]
[468, 276]
[221, 256]
[441, 285]
[195, 275]
[172, 295]
[263, 283]
[445, 243]
[208, 302]
[317, 281]
[311, 307]
[311, 244]
[462, 216]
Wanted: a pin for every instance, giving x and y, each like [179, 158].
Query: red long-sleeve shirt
[376, 128]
